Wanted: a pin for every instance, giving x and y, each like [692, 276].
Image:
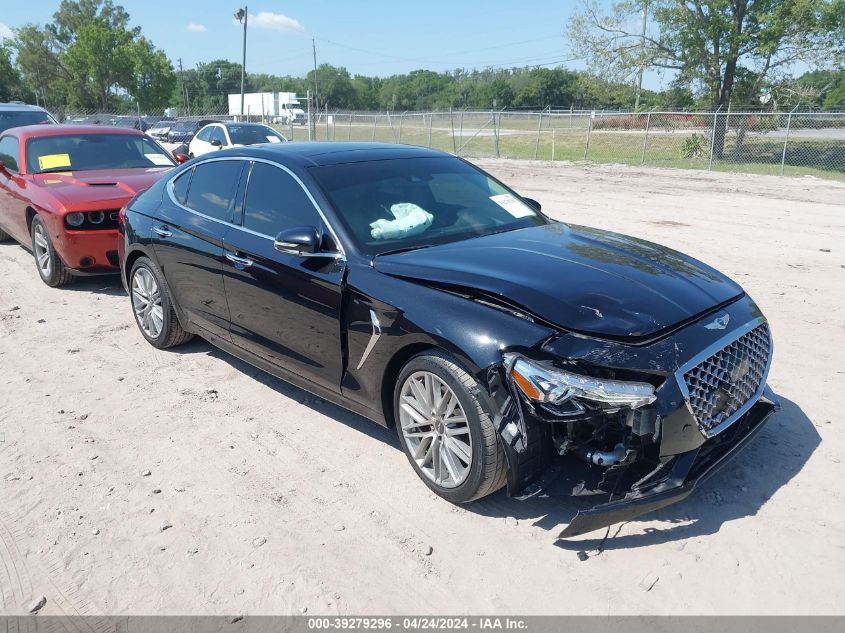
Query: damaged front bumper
[678, 477]
[711, 400]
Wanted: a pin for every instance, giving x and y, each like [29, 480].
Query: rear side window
[9, 152]
[180, 186]
[9, 119]
[275, 201]
[213, 187]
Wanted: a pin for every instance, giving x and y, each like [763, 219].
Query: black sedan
[415, 289]
[183, 130]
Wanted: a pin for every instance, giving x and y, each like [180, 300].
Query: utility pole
[310, 119]
[642, 50]
[316, 92]
[242, 16]
[182, 84]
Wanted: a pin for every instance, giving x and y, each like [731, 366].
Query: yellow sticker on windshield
[52, 161]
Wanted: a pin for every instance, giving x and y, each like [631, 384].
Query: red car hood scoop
[89, 186]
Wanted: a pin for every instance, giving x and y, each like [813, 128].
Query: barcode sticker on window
[517, 208]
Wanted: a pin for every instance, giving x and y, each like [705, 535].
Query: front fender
[387, 319]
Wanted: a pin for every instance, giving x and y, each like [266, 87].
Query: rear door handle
[162, 231]
[239, 261]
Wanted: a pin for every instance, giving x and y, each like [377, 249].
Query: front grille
[721, 384]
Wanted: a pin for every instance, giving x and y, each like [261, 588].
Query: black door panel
[285, 309]
[188, 240]
[191, 258]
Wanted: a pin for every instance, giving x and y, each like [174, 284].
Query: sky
[368, 37]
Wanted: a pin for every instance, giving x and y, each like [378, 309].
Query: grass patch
[474, 137]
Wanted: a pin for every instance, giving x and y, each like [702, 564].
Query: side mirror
[181, 158]
[299, 240]
[532, 203]
[216, 143]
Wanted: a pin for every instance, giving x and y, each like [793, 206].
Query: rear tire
[49, 265]
[153, 308]
[429, 421]
[4, 237]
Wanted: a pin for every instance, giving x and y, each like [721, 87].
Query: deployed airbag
[409, 220]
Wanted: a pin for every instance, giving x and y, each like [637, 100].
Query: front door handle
[162, 231]
[245, 262]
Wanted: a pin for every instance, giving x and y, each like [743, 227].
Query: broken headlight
[565, 390]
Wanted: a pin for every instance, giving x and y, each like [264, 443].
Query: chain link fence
[780, 143]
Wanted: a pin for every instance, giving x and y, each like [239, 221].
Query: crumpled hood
[578, 278]
[115, 186]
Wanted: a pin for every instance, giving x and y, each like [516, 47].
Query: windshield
[253, 134]
[22, 117]
[414, 202]
[83, 152]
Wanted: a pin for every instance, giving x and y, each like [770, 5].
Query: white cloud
[274, 21]
[196, 28]
[5, 32]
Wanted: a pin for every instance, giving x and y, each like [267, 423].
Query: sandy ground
[280, 502]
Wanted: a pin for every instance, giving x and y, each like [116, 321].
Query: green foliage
[100, 59]
[152, 79]
[334, 86]
[835, 98]
[11, 85]
[825, 88]
[694, 146]
[712, 44]
[89, 57]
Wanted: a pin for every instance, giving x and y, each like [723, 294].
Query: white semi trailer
[279, 107]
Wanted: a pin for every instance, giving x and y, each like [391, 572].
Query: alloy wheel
[435, 428]
[146, 300]
[41, 246]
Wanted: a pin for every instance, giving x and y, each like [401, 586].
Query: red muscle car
[61, 188]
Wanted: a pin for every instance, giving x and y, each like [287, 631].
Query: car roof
[243, 124]
[307, 153]
[18, 106]
[32, 131]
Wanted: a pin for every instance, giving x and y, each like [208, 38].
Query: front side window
[9, 152]
[85, 152]
[212, 188]
[217, 134]
[275, 201]
[416, 202]
[204, 134]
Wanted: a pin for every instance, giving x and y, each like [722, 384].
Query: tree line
[720, 51]
[204, 89]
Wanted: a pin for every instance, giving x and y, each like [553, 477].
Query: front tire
[446, 429]
[153, 307]
[50, 266]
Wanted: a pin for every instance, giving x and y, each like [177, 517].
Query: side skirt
[298, 381]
